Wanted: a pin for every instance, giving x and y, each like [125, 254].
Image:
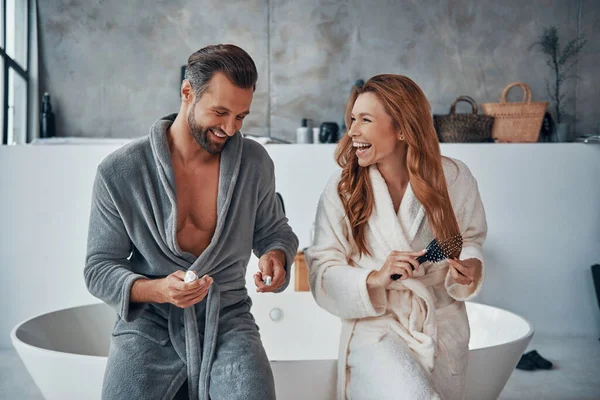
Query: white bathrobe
[425, 312]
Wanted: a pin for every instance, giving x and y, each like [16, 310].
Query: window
[14, 70]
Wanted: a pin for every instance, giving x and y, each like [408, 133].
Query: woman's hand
[398, 262]
[466, 271]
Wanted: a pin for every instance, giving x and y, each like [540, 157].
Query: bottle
[316, 132]
[47, 128]
[304, 133]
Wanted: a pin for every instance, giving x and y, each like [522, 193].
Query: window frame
[10, 63]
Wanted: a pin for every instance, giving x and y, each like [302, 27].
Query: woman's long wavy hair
[409, 109]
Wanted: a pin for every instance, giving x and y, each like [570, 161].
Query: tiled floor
[576, 375]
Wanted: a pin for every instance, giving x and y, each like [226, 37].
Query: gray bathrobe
[215, 345]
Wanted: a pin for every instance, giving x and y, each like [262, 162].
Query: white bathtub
[65, 353]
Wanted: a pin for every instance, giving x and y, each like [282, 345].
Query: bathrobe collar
[395, 231]
[198, 357]
[231, 157]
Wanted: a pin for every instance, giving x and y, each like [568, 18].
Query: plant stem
[557, 85]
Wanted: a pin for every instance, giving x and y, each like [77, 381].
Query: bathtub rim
[528, 335]
[14, 338]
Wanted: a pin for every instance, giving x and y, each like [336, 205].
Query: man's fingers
[278, 276]
[266, 267]
[179, 274]
[205, 282]
[194, 299]
[201, 293]
[193, 287]
[175, 281]
[258, 281]
[276, 282]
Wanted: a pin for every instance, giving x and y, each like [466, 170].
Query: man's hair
[232, 61]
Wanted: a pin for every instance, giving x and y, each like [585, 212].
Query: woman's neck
[395, 173]
[394, 170]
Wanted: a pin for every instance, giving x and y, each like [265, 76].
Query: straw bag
[516, 122]
[463, 128]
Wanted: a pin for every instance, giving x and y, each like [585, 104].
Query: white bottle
[316, 130]
[304, 133]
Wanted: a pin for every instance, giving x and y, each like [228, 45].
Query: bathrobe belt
[423, 342]
[197, 358]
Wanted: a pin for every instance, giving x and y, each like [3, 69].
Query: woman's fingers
[458, 277]
[407, 259]
[463, 270]
[402, 268]
[460, 267]
[409, 253]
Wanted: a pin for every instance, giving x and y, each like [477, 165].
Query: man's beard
[202, 136]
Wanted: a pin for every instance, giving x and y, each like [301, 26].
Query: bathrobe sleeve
[472, 222]
[271, 229]
[337, 286]
[107, 273]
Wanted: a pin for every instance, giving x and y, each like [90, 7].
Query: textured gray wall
[113, 67]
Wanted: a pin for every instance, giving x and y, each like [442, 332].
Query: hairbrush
[437, 251]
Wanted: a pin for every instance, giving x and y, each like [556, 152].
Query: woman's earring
[401, 137]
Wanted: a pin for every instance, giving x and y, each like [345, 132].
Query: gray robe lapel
[228, 173]
[231, 158]
[162, 158]
[198, 380]
[197, 357]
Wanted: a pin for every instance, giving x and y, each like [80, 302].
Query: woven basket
[463, 128]
[516, 121]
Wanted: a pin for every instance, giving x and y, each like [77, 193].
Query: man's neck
[184, 147]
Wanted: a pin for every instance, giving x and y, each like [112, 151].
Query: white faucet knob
[276, 314]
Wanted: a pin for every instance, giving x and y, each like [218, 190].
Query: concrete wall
[113, 67]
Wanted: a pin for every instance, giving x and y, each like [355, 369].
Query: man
[193, 195]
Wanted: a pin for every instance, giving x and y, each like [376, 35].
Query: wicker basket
[463, 128]
[516, 121]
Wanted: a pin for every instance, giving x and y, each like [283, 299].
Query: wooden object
[300, 273]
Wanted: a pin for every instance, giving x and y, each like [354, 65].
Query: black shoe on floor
[526, 364]
[538, 360]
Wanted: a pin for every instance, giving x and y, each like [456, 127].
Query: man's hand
[270, 264]
[182, 294]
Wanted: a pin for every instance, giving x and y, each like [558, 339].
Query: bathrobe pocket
[144, 328]
[453, 337]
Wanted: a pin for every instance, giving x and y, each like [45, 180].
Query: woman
[405, 338]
